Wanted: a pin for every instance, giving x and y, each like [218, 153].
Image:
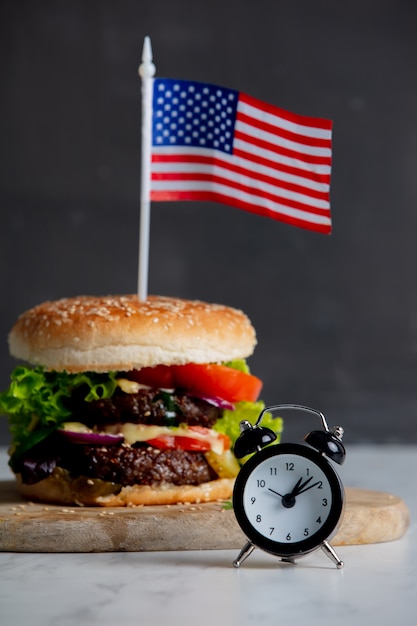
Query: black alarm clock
[288, 498]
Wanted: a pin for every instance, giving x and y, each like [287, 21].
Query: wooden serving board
[370, 517]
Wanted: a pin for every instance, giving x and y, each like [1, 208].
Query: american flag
[217, 144]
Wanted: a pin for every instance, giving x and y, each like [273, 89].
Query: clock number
[260, 483]
[324, 501]
[320, 485]
[271, 528]
[288, 537]
[253, 500]
[273, 471]
[258, 518]
[306, 532]
[318, 520]
[289, 467]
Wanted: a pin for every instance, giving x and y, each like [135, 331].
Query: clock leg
[246, 551]
[329, 551]
[288, 559]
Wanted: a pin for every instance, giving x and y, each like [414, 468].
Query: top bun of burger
[102, 334]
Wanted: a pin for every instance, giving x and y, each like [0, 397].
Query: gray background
[336, 315]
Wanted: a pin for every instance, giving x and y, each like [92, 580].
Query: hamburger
[121, 402]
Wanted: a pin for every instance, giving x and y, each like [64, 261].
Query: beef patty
[120, 464]
[148, 406]
[126, 465]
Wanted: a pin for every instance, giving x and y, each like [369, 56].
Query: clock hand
[310, 487]
[288, 500]
[299, 486]
[296, 490]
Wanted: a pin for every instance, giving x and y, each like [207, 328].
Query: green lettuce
[229, 424]
[238, 364]
[35, 402]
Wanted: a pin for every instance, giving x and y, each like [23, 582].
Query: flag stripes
[278, 165]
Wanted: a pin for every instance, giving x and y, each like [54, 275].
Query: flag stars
[193, 114]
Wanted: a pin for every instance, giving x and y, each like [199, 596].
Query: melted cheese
[134, 433]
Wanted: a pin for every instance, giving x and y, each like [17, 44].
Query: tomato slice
[168, 442]
[204, 442]
[218, 380]
[159, 377]
[205, 379]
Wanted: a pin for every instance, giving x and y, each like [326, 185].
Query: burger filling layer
[129, 428]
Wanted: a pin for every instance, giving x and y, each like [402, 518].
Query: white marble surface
[378, 584]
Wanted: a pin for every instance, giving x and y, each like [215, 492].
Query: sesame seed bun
[113, 333]
[59, 488]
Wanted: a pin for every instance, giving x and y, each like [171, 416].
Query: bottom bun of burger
[60, 488]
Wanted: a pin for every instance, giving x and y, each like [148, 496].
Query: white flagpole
[146, 72]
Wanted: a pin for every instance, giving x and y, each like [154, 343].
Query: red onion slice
[92, 439]
[214, 401]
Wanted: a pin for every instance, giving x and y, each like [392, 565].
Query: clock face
[288, 499]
